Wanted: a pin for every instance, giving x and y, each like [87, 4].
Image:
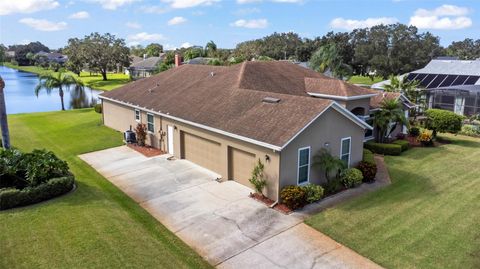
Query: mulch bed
[415, 143]
[268, 202]
[147, 151]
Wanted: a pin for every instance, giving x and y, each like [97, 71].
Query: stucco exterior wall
[120, 117]
[352, 104]
[330, 128]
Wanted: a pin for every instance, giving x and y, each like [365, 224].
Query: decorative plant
[368, 169]
[351, 177]
[293, 197]
[426, 137]
[387, 118]
[98, 108]
[313, 192]
[141, 133]
[328, 163]
[258, 178]
[443, 121]
[414, 131]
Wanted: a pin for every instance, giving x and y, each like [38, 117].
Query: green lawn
[93, 81]
[364, 80]
[428, 218]
[97, 226]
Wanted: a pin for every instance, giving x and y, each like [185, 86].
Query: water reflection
[20, 94]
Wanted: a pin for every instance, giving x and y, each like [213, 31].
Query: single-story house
[448, 83]
[227, 118]
[51, 57]
[144, 68]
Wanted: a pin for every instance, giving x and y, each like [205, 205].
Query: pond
[20, 94]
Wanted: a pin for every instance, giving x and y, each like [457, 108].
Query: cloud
[349, 24]
[186, 45]
[44, 25]
[189, 3]
[26, 6]
[144, 36]
[445, 17]
[176, 20]
[79, 15]
[133, 25]
[275, 1]
[113, 4]
[153, 9]
[246, 11]
[256, 23]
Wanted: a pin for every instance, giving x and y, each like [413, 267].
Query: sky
[177, 23]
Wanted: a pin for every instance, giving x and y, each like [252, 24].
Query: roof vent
[150, 90]
[212, 74]
[271, 100]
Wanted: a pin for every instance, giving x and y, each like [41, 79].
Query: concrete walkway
[382, 179]
[219, 220]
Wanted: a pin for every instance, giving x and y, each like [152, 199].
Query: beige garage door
[240, 165]
[201, 151]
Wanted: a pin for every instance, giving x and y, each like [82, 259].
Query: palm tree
[58, 81]
[3, 117]
[210, 48]
[328, 163]
[326, 58]
[387, 118]
[409, 88]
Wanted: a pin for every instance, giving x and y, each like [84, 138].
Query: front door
[170, 139]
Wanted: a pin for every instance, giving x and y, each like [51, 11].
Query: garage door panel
[201, 151]
[241, 164]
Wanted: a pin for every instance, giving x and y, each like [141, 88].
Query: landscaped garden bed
[29, 178]
[147, 151]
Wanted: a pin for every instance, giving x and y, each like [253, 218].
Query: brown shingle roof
[336, 87]
[376, 101]
[230, 98]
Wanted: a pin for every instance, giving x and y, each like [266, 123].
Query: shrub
[141, 133]
[443, 121]
[258, 179]
[332, 186]
[351, 177]
[385, 149]
[400, 136]
[21, 169]
[10, 197]
[369, 170]
[313, 192]
[293, 197]
[405, 145]
[368, 156]
[98, 108]
[470, 130]
[426, 137]
[414, 131]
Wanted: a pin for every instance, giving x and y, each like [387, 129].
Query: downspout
[279, 177]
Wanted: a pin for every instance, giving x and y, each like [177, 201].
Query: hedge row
[385, 149]
[10, 197]
[368, 156]
[403, 143]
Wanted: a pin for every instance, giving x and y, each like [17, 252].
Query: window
[137, 115]
[303, 171]
[150, 124]
[345, 150]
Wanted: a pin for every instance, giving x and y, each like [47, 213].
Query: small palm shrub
[351, 177]
[294, 197]
[141, 134]
[313, 192]
[258, 178]
[369, 170]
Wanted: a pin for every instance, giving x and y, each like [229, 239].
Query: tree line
[379, 50]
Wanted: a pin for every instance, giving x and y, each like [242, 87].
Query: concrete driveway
[219, 220]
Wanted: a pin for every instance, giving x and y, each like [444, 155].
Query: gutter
[342, 98]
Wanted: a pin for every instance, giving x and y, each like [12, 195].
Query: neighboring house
[199, 60]
[10, 54]
[144, 68]
[227, 118]
[375, 105]
[51, 57]
[449, 84]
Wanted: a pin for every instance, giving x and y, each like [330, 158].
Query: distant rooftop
[451, 67]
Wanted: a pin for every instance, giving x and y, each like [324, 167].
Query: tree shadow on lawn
[470, 142]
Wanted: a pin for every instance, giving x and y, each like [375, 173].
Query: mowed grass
[94, 81]
[96, 226]
[428, 218]
[364, 80]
